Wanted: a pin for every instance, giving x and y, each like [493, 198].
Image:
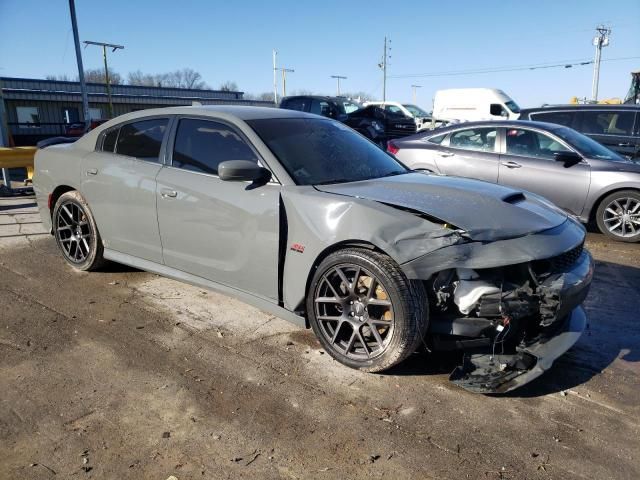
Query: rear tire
[76, 232]
[618, 216]
[364, 310]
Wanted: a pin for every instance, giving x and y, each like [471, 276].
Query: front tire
[618, 216]
[364, 310]
[76, 232]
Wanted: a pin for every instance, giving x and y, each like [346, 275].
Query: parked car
[423, 119]
[614, 126]
[373, 122]
[474, 104]
[575, 172]
[304, 218]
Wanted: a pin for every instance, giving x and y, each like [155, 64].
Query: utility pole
[275, 81]
[338, 78]
[413, 88]
[600, 40]
[83, 85]
[284, 79]
[106, 67]
[383, 66]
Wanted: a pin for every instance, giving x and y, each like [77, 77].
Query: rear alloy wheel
[618, 216]
[365, 312]
[76, 232]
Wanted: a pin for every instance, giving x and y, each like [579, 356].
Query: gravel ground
[123, 374]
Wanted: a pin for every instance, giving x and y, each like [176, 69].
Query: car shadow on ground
[613, 332]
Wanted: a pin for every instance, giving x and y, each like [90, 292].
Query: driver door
[529, 163]
[226, 232]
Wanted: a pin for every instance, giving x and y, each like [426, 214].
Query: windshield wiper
[335, 180]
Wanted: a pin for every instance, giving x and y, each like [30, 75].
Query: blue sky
[227, 40]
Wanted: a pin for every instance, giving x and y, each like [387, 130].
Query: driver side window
[532, 144]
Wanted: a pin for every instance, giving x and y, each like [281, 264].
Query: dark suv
[614, 126]
[373, 122]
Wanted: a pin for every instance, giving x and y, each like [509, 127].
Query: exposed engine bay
[501, 316]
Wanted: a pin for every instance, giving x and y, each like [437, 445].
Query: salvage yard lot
[124, 374]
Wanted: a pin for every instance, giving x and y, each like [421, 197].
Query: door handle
[625, 144]
[92, 171]
[445, 154]
[166, 193]
[511, 164]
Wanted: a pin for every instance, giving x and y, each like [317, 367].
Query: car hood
[485, 211]
[622, 165]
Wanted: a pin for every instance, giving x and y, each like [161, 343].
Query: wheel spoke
[377, 301]
[372, 289]
[336, 332]
[364, 344]
[350, 342]
[376, 335]
[374, 321]
[344, 279]
[328, 300]
[335, 293]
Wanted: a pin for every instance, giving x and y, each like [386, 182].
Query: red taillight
[392, 148]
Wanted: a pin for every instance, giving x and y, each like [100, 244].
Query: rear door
[470, 153]
[528, 163]
[614, 128]
[226, 232]
[119, 183]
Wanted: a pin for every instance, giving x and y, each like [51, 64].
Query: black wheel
[618, 216]
[364, 310]
[76, 232]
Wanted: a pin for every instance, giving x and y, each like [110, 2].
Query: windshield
[513, 106]
[321, 151]
[585, 145]
[348, 107]
[415, 110]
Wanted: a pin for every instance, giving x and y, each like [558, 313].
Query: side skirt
[163, 270]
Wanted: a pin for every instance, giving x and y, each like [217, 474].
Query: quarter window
[142, 139]
[439, 138]
[482, 139]
[607, 123]
[109, 142]
[561, 118]
[532, 144]
[201, 145]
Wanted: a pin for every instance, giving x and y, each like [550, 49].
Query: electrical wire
[513, 68]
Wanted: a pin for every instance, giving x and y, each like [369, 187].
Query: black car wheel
[364, 310]
[76, 233]
[618, 216]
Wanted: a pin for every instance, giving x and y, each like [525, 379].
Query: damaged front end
[511, 321]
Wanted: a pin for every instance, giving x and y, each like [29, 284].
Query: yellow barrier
[18, 157]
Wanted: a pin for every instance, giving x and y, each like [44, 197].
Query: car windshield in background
[348, 107]
[415, 110]
[513, 106]
[585, 145]
[319, 151]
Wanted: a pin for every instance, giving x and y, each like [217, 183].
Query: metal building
[38, 109]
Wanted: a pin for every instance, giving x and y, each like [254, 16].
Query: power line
[513, 68]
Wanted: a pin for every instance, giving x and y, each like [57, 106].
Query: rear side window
[109, 142]
[608, 122]
[300, 104]
[142, 139]
[561, 118]
[483, 139]
[320, 107]
[201, 145]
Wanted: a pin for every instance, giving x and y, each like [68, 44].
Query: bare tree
[61, 78]
[361, 96]
[96, 75]
[228, 86]
[142, 79]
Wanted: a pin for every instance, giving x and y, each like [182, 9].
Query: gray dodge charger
[304, 218]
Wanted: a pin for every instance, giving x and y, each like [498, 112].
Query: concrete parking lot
[123, 374]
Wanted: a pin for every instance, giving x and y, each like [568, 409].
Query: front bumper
[563, 321]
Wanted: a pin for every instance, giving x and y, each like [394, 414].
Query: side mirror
[568, 158]
[243, 171]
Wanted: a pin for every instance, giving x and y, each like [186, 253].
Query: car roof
[319, 97]
[570, 106]
[498, 123]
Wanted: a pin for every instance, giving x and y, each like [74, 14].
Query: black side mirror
[243, 171]
[568, 158]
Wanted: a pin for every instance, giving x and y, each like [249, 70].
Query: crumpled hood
[486, 211]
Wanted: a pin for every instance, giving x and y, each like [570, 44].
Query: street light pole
[338, 78]
[83, 85]
[599, 41]
[106, 67]
[413, 88]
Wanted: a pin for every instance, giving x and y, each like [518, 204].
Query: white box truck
[471, 104]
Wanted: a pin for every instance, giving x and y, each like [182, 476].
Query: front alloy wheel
[619, 216]
[364, 311]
